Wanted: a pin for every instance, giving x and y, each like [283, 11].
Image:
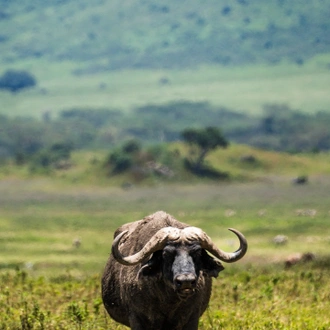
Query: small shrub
[15, 80]
[119, 161]
[131, 146]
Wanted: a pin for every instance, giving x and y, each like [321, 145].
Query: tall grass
[242, 298]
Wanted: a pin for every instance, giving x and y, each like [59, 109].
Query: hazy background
[149, 69]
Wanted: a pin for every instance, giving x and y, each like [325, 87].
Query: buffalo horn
[208, 245]
[156, 243]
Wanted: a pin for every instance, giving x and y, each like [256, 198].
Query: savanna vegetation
[112, 110]
[56, 229]
[252, 298]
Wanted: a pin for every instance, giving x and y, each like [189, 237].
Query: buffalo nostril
[185, 281]
[178, 283]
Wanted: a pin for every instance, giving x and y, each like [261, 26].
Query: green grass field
[47, 283]
[243, 89]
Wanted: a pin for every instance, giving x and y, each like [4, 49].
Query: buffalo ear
[211, 266]
[152, 267]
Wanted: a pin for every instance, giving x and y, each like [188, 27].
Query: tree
[14, 80]
[206, 140]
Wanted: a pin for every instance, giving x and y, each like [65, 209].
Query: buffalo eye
[195, 251]
[169, 251]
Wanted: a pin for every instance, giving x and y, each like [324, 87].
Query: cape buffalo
[158, 276]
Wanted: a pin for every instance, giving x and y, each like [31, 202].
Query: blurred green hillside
[240, 54]
[156, 34]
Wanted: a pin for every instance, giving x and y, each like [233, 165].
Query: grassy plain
[47, 283]
[243, 89]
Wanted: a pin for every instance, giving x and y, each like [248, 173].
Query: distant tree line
[277, 128]
[283, 129]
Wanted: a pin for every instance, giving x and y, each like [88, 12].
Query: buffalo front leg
[192, 324]
[137, 324]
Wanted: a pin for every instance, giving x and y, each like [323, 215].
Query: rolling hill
[155, 34]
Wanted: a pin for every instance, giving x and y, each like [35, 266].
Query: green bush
[119, 161]
[53, 157]
[131, 146]
[15, 80]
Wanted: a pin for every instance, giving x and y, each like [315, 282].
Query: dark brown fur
[148, 302]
